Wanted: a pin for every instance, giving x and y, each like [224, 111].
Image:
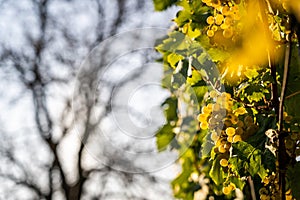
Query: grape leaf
[173, 59]
[218, 55]
[164, 137]
[251, 158]
[292, 97]
[176, 42]
[170, 108]
[293, 174]
[216, 173]
[207, 146]
[161, 5]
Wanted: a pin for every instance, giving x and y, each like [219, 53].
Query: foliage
[232, 67]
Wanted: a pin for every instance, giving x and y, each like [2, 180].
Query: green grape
[220, 100]
[263, 190]
[264, 197]
[294, 136]
[236, 16]
[214, 136]
[230, 139]
[226, 96]
[234, 8]
[218, 116]
[289, 191]
[220, 142]
[289, 197]
[228, 33]
[289, 143]
[214, 28]
[225, 10]
[204, 125]
[212, 126]
[251, 129]
[224, 162]
[216, 107]
[239, 131]
[240, 111]
[266, 181]
[230, 131]
[227, 190]
[212, 120]
[210, 20]
[236, 138]
[202, 117]
[206, 110]
[248, 120]
[219, 19]
[228, 105]
[228, 123]
[213, 94]
[240, 124]
[234, 120]
[221, 149]
[288, 119]
[209, 107]
[228, 21]
[224, 26]
[210, 33]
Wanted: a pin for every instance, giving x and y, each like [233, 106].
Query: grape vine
[233, 70]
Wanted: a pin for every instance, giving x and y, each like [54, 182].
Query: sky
[145, 95]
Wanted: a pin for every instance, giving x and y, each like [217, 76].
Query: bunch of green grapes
[227, 123]
[292, 141]
[226, 14]
[271, 188]
[292, 144]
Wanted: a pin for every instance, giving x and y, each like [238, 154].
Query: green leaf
[251, 73]
[293, 174]
[170, 108]
[179, 79]
[237, 165]
[176, 42]
[173, 59]
[166, 80]
[161, 5]
[251, 158]
[218, 55]
[254, 92]
[196, 78]
[193, 33]
[237, 181]
[216, 173]
[203, 63]
[190, 32]
[183, 17]
[207, 146]
[256, 96]
[199, 91]
[185, 188]
[164, 137]
[292, 97]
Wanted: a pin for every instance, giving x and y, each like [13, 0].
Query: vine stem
[252, 189]
[278, 102]
[282, 157]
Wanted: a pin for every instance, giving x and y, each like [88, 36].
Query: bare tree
[40, 57]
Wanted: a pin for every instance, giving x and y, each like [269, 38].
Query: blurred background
[80, 100]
